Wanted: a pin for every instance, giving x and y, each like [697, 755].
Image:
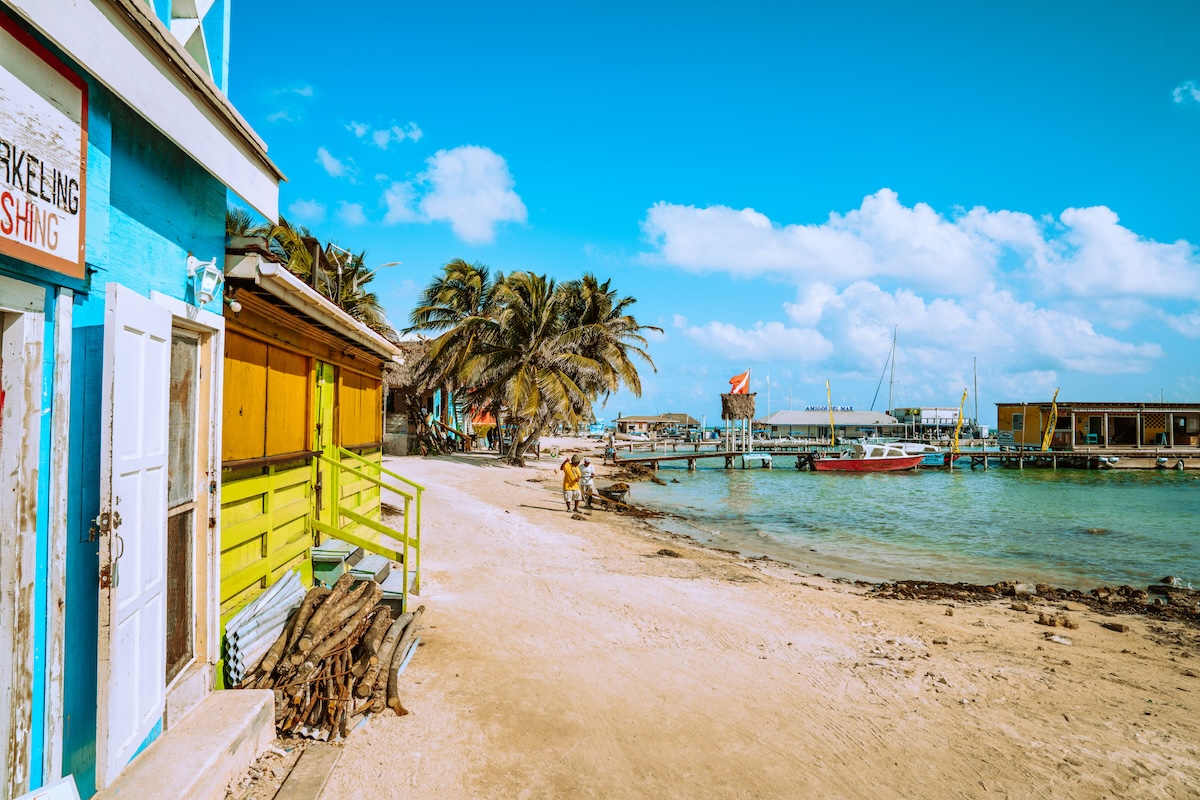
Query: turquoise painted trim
[154, 733]
[41, 566]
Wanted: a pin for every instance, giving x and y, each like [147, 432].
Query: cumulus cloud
[1186, 92]
[351, 213]
[1085, 252]
[309, 211]
[764, 341]
[400, 201]
[991, 324]
[469, 187]
[472, 189]
[330, 164]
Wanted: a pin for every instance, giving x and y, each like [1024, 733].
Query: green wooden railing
[347, 521]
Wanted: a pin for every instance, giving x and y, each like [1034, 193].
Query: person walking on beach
[571, 493]
[587, 480]
[610, 452]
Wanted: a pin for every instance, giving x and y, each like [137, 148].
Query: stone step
[199, 755]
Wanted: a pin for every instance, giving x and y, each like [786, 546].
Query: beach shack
[656, 425]
[1080, 425]
[302, 441]
[118, 153]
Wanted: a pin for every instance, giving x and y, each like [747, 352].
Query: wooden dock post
[691, 462]
[728, 462]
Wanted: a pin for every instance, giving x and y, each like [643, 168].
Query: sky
[782, 186]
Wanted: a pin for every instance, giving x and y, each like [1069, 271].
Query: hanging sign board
[43, 155]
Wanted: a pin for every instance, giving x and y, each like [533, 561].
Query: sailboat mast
[975, 372]
[892, 379]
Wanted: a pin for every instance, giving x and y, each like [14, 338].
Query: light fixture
[229, 298]
[207, 279]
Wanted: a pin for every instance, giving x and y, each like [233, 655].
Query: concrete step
[199, 755]
[393, 585]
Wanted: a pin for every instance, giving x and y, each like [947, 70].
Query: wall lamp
[230, 300]
[206, 279]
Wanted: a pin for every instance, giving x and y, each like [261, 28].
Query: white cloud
[472, 189]
[330, 164]
[1187, 324]
[282, 115]
[1096, 257]
[765, 341]
[382, 137]
[1186, 92]
[399, 198]
[1086, 252]
[351, 213]
[991, 324]
[309, 211]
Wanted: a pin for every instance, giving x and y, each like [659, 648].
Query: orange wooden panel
[244, 407]
[287, 401]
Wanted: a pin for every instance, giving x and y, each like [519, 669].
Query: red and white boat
[870, 457]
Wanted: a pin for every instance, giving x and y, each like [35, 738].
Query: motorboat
[870, 457]
[632, 437]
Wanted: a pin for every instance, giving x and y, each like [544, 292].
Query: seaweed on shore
[1175, 604]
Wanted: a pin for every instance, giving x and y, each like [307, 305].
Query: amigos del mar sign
[43, 155]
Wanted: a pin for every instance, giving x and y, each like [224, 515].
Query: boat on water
[870, 457]
[632, 437]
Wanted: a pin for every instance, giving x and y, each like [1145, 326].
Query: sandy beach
[604, 658]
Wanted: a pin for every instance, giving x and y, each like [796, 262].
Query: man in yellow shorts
[571, 491]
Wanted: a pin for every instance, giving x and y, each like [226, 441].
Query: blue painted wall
[148, 206]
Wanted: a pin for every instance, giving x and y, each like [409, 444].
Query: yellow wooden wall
[264, 530]
[267, 399]
[359, 409]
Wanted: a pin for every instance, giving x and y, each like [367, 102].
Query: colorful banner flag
[740, 384]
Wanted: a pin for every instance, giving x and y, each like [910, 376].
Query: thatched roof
[737, 406]
[402, 375]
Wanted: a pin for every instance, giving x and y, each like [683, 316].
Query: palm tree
[612, 334]
[528, 358]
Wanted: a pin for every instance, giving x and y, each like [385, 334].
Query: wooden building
[302, 418]
[656, 425]
[1130, 426]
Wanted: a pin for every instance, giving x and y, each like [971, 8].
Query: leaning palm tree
[455, 304]
[529, 360]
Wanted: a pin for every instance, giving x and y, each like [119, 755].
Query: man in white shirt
[587, 480]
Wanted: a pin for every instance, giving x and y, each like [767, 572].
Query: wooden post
[1106, 429]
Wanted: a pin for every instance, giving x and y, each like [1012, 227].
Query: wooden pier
[1084, 458]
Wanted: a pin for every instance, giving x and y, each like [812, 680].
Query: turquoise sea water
[1070, 528]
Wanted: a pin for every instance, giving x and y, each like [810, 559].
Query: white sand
[564, 658]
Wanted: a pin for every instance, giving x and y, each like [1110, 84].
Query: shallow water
[1070, 528]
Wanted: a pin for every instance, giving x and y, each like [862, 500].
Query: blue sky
[779, 184]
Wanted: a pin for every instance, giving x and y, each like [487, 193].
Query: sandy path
[564, 658]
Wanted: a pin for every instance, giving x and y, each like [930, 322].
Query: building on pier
[1101, 424]
[813, 423]
[657, 425]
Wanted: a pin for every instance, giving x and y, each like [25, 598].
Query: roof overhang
[123, 46]
[275, 279]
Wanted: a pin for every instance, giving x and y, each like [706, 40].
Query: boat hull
[886, 464]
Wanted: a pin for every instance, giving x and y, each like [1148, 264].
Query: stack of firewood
[338, 658]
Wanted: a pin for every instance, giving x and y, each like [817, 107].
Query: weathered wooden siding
[265, 411]
[264, 530]
[360, 409]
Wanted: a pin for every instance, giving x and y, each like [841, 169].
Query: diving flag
[740, 384]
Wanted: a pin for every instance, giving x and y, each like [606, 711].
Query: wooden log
[366, 686]
[320, 627]
[314, 658]
[328, 604]
[393, 690]
[267, 665]
[307, 608]
[376, 632]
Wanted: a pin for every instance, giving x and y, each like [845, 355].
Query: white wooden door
[133, 554]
